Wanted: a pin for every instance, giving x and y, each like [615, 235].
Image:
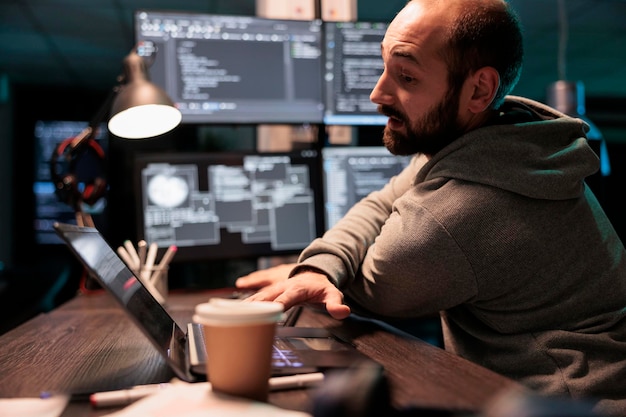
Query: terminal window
[235, 69]
[353, 66]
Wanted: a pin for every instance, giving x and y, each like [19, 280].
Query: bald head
[453, 8]
[470, 34]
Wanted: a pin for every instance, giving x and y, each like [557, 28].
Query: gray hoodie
[499, 234]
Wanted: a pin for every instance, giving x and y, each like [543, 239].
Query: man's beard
[433, 132]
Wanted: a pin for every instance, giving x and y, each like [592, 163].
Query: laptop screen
[111, 272]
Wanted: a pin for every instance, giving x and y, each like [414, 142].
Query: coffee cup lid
[228, 312]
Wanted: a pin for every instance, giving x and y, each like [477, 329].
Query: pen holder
[142, 262]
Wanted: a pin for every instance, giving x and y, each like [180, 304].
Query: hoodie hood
[530, 149]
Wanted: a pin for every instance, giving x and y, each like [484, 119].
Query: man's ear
[485, 83]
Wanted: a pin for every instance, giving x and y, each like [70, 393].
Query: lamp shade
[141, 109]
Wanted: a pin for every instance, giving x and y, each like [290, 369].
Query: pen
[125, 396]
[165, 260]
[133, 255]
[146, 269]
[142, 247]
[168, 255]
[312, 379]
[130, 395]
[80, 397]
[153, 290]
[123, 253]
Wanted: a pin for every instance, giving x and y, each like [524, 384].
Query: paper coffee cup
[239, 336]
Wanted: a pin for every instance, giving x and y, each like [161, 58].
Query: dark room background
[35, 278]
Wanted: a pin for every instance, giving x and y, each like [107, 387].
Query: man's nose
[380, 93]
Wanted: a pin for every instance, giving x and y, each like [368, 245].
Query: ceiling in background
[82, 43]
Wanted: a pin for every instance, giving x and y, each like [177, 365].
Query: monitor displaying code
[234, 69]
[352, 172]
[353, 66]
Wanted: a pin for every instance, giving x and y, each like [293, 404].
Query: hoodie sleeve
[340, 252]
[378, 254]
[415, 267]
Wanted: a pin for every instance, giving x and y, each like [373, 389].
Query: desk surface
[89, 345]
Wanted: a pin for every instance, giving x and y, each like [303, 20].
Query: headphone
[77, 162]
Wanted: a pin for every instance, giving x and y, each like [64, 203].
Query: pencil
[123, 253]
[146, 268]
[133, 255]
[141, 250]
[165, 260]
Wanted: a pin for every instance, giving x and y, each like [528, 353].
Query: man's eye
[407, 78]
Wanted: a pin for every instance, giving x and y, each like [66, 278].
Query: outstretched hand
[309, 287]
[264, 277]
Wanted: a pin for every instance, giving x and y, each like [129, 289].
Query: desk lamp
[137, 108]
[140, 109]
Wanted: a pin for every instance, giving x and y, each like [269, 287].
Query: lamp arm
[88, 133]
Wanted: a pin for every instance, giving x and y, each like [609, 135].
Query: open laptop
[296, 349]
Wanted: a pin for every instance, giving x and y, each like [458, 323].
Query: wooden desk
[89, 345]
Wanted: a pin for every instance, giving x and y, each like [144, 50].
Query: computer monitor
[352, 172]
[227, 205]
[235, 69]
[353, 66]
[48, 134]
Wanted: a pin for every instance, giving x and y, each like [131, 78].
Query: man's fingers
[256, 280]
[335, 306]
[249, 282]
[301, 290]
[268, 293]
[264, 277]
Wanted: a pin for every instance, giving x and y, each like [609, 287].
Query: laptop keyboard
[284, 355]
